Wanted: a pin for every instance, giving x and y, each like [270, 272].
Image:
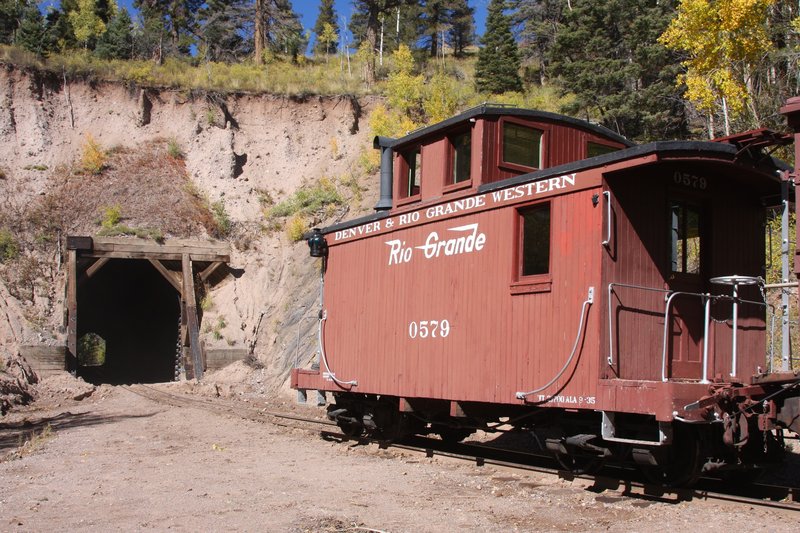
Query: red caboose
[537, 270]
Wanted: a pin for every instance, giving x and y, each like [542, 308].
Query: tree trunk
[258, 33]
[369, 67]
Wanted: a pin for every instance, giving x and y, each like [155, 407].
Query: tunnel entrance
[137, 312]
[132, 313]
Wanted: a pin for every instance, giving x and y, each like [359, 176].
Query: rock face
[238, 150]
[16, 378]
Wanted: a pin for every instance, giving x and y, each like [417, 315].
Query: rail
[706, 300]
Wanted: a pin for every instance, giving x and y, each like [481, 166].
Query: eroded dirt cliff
[240, 152]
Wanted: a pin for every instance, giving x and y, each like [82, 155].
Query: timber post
[71, 363]
[190, 305]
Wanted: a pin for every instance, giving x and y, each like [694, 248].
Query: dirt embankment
[240, 153]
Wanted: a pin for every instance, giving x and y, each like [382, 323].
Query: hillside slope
[237, 153]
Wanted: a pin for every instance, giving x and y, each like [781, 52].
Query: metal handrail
[607, 241]
[706, 297]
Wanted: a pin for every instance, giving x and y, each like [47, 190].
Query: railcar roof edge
[709, 148]
[659, 147]
[494, 110]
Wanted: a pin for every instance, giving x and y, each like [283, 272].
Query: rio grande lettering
[467, 242]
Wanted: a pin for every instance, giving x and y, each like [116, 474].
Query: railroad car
[533, 271]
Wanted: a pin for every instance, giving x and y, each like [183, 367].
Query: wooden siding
[499, 343]
[732, 244]
[506, 337]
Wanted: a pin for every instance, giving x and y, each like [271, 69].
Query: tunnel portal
[132, 313]
[130, 305]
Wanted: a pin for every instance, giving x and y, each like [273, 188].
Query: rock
[16, 378]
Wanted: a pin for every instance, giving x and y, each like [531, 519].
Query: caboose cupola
[483, 145]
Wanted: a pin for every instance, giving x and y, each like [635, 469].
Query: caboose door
[689, 235]
[655, 268]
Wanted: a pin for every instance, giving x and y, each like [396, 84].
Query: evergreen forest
[647, 69]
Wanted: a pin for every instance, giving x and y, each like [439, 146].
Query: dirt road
[118, 461]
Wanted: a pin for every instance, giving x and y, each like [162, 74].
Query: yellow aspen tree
[724, 40]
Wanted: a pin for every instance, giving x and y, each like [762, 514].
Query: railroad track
[221, 406]
[617, 478]
[620, 478]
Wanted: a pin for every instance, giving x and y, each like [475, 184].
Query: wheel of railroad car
[352, 430]
[393, 426]
[679, 464]
[578, 464]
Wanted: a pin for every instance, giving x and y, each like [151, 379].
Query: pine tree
[277, 28]
[370, 17]
[10, 14]
[462, 26]
[326, 35]
[117, 41]
[221, 25]
[434, 20]
[540, 21]
[498, 65]
[32, 33]
[168, 27]
[616, 68]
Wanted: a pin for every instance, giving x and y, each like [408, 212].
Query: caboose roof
[491, 110]
[664, 150]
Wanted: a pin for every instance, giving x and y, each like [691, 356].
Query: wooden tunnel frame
[200, 260]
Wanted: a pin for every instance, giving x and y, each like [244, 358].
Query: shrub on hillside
[296, 227]
[309, 200]
[8, 246]
[94, 158]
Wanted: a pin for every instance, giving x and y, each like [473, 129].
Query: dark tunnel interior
[137, 312]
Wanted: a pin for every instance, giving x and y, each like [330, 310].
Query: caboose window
[461, 150]
[412, 160]
[685, 230]
[535, 236]
[521, 145]
[594, 149]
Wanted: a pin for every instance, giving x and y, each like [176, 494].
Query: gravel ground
[114, 460]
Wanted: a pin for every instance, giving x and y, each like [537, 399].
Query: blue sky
[309, 9]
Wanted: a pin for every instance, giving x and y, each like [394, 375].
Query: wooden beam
[97, 265]
[191, 318]
[210, 269]
[173, 277]
[72, 310]
[171, 246]
[87, 274]
[161, 256]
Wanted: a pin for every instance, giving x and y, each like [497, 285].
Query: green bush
[143, 233]
[221, 218]
[308, 200]
[8, 246]
[174, 149]
[111, 216]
